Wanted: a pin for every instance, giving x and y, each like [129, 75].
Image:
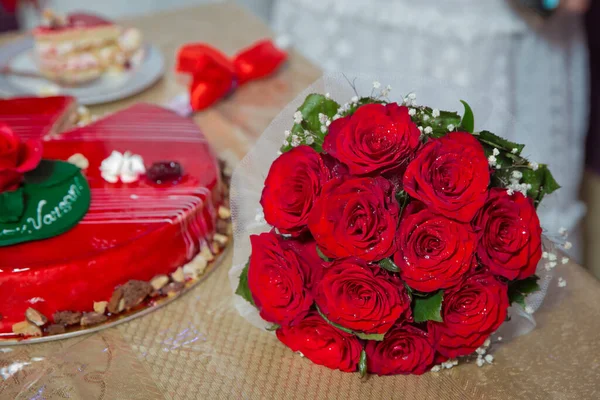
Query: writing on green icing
[49, 209]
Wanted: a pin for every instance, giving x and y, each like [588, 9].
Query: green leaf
[541, 180]
[273, 327]
[495, 141]
[365, 336]
[468, 120]
[56, 197]
[243, 289]
[402, 198]
[429, 308]
[389, 265]
[518, 290]
[378, 337]
[12, 206]
[323, 256]
[362, 364]
[313, 105]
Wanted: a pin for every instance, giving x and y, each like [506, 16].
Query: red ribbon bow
[214, 75]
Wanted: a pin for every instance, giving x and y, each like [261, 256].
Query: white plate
[18, 55]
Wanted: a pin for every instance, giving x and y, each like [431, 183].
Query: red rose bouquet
[399, 236]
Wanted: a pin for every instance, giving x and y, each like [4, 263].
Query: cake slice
[80, 47]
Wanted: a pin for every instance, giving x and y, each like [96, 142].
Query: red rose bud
[375, 139]
[511, 241]
[322, 343]
[291, 188]
[279, 277]
[16, 158]
[471, 312]
[355, 217]
[405, 350]
[434, 252]
[450, 175]
[361, 297]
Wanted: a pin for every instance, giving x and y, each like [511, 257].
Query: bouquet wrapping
[380, 233]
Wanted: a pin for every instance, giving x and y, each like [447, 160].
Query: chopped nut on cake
[35, 317]
[134, 292]
[178, 275]
[26, 328]
[100, 306]
[92, 318]
[172, 288]
[67, 317]
[159, 281]
[55, 329]
[224, 212]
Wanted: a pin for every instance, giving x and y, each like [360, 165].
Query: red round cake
[132, 231]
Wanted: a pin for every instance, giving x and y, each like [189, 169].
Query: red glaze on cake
[132, 231]
[34, 117]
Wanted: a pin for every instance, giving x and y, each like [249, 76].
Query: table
[199, 347]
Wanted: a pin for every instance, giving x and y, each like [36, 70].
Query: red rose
[404, 350]
[361, 297]
[355, 217]
[434, 252]
[375, 139]
[511, 242]
[322, 343]
[450, 175]
[292, 186]
[16, 158]
[471, 312]
[279, 278]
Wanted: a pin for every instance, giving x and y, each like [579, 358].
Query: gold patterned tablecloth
[198, 347]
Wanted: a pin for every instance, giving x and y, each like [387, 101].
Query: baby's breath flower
[495, 151]
[492, 160]
[428, 130]
[323, 129]
[286, 133]
[517, 175]
[489, 358]
[425, 117]
[568, 245]
[450, 128]
[534, 166]
[435, 113]
[327, 95]
[296, 141]
[564, 260]
[297, 117]
[376, 84]
[479, 362]
[412, 112]
[551, 256]
[354, 99]
[561, 282]
[514, 151]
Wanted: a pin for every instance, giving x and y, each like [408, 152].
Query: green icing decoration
[12, 205]
[56, 197]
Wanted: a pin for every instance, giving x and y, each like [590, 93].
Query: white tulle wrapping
[248, 178]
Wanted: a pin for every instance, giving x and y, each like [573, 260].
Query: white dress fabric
[535, 70]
